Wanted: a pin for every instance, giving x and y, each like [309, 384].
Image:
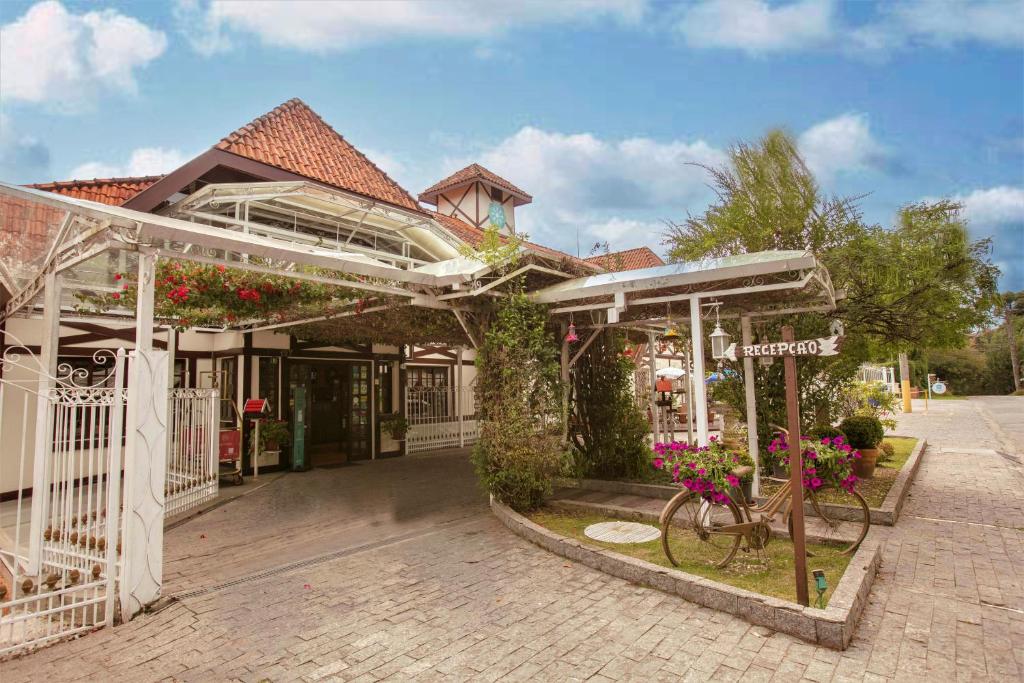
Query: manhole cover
[622, 532]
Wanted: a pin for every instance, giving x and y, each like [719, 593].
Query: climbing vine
[519, 389]
[607, 429]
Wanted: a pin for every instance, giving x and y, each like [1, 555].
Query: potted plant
[395, 425]
[864, 433]
[273, 433]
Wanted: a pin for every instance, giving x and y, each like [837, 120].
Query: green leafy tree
[922, 283]
[1011, 304]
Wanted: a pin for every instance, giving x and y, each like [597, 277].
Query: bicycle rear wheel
[842, 529]
[690, 529]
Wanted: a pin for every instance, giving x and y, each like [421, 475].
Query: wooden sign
[823, 346]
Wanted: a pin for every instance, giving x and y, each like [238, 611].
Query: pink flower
[826, 441]
[732, 479]
[702, 471]
[658, 463]
[815, 483]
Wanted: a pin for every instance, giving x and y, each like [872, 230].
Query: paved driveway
[408, 577]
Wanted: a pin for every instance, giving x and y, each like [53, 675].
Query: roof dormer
[478, 197]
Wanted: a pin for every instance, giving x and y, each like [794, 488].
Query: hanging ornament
[571, 337]
[628, 352]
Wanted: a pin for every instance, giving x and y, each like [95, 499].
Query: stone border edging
[832, 627]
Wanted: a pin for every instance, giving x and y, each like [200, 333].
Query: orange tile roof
[470, 174]
[294, 138]
[630, 259]
[473, 236]
[113, 191]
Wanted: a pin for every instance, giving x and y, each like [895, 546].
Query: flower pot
[864, 466]
[747, 487]
[780, 471]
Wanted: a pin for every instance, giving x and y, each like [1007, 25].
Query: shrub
[520, 448]
[823, 431]
[862, 431]
[887, 451]
[608, 431]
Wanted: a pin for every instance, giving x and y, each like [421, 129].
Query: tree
[921, 283]
[1012, 304]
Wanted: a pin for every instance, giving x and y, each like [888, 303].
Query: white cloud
[608, 190]
[51, 56]
[994, 206]
[315, 26]
[756, 26]
[143, 161]
[948, 22]
[23, 158]
[386, 162]
[843, 144]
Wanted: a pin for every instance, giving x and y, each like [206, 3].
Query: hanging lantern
[671, 333]
[628, 351]
[571, 337]
[719, 342]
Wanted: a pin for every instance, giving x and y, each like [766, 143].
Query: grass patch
[745, 571]
[875, 489]
[945, 397]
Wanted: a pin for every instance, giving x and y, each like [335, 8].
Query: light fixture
[719, 339]
[820, 585]
[671, 334]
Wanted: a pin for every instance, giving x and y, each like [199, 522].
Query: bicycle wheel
[692, 524]
[842, 529]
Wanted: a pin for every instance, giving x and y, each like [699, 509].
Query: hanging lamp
[571, 336]
[719, 339]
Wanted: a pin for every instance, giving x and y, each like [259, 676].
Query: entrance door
[337, 409]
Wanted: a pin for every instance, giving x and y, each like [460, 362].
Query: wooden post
[564, 366]
[796, 472]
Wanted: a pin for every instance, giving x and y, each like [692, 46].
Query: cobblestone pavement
[423, 584]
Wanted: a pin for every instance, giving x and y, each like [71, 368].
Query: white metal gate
[440, 417]
[192, 450]
[59, 541]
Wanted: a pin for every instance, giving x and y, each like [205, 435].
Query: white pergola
[745, 286]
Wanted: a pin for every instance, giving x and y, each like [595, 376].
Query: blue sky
[598, 108]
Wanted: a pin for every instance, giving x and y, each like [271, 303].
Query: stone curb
[886, 515]
[832, 627]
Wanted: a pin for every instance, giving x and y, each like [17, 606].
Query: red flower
[221, 269]
[117, 276]
[116, 296]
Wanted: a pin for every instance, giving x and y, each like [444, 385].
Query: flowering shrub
[826, 462]
[706, 470]
[198, 294]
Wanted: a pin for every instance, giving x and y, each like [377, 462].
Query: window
[385, 389]
[427, 394]
[226, 380]
[269, 367]
[424, 378]
[181, 375]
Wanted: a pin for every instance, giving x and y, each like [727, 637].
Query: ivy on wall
[519, 388]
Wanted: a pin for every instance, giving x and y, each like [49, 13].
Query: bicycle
[717, 529]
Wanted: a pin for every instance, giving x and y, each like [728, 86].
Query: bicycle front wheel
[694, 531]
[844, 520]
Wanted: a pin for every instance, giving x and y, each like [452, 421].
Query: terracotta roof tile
[473, 236]
[469, 174]
[294, 138]
[630, 259]
[113, 191]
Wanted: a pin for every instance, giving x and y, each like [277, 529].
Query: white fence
[59, 549]
[434, 417]
[192, 449]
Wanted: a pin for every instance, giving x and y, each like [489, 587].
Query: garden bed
[885, 492]
[832, 627]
